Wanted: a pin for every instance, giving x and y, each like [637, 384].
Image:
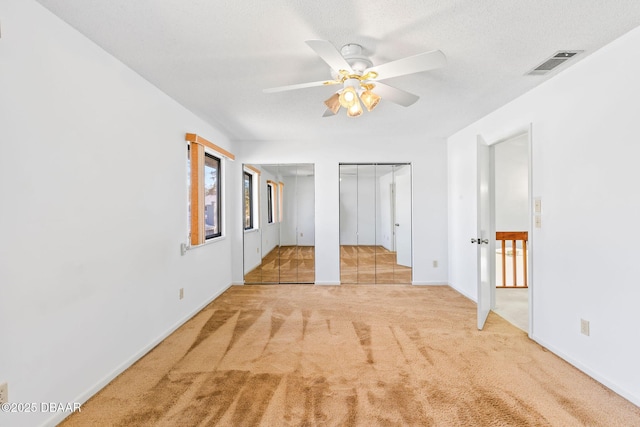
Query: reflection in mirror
[279, 247]
[375, 223]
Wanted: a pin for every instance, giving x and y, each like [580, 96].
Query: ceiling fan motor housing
[352, 53]
[354, 83]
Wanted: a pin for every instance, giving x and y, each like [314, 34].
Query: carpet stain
[314, 397]
[413, 333]
[217, 319]
[245, 321]
[490, 408]
[294, 402]
[157, 400]
[399, 405]
[276, 323]
[364, 335]
[352, 409]
[306, 315]
[212, 399]
[438, 398]
[576, 410]
[254, 399]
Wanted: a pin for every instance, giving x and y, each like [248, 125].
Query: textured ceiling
[215, 57]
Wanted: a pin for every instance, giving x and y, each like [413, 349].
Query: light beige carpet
[368, 265]
[285, 264]
[303, 355]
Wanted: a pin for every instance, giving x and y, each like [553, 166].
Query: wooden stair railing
[513, 236]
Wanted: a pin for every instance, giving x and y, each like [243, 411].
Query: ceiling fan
[358, 77]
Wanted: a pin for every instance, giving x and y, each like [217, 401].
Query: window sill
[251, 230]
[185, 247]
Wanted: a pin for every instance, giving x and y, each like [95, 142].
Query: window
[212, 217]
[189, 189]
[205, 186]
[251, 197]
[248, 201]
[280, 200]
[270, 202]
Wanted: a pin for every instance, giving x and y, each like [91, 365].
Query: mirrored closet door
[279, 223]
[375, 223]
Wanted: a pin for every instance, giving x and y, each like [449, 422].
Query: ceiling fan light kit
[348, 96]
[355, 110]
[333, 103]
[369, 99]
[358, 77]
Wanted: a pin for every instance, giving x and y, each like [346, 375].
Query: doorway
[375, 223]
[505, 209]
[511, 207]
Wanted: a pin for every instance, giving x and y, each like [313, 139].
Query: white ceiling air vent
[554, 61]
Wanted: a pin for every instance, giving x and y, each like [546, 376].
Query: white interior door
[403, 219]
[483, 239]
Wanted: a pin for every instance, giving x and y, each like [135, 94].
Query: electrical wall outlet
[435, 263]
[584, 327]
[181, 293]
[4, 393]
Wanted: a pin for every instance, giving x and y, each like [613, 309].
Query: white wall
[511, 160]
[298, 223]
[358, 213]
[585, 155]
[429, 194]
[348, 210]
[94, 209]
[252, 245]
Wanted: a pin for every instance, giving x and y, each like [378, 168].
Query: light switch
[537, 205]
[538, 221]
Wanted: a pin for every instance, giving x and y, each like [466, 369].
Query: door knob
[480, 241]
[397, 225]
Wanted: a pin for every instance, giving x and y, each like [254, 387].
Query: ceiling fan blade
[300, 86]
[409, 65]
[330, 55]
[398, 96]
[328, 113]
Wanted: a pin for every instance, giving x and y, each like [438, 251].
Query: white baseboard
[58, 417]
[596, 376]
[327, 283]
[415, 283]
[464, 294]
